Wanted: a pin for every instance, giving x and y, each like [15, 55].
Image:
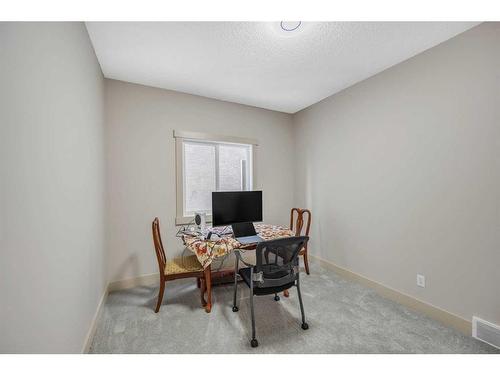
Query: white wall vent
[486, 331]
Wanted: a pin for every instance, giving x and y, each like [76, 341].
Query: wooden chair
[178, 268]
[298, 226]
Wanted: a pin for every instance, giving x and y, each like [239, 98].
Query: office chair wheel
[235, 309]
[305, 326]
[254, 343]
[276, 298]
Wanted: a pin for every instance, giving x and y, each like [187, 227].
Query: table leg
[202, 292]
[208, 287]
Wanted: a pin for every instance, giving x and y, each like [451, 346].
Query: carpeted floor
[344, 317]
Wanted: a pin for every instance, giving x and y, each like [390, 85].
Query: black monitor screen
[230, 207]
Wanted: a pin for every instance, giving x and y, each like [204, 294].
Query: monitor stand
[243, 230]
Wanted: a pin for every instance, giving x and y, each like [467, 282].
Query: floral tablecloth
[208, 250]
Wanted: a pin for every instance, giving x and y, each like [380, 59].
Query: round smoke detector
[290, 25]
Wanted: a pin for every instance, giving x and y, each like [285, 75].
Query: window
[210, 163]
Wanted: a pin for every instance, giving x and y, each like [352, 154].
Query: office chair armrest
[238, 255]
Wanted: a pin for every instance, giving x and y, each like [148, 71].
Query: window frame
[180, 137]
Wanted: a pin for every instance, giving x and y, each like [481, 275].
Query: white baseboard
[93, 322]
[443, 316]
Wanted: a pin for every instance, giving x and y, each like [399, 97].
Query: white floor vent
[486, 331]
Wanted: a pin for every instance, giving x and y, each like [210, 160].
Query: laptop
[245, 233]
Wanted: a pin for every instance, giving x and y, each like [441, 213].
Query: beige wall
[52, 271]
[140, 122]
[402, 173]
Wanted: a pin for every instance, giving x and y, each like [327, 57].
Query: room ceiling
[258, 63]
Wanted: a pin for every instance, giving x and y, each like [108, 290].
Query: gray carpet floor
[343, 316]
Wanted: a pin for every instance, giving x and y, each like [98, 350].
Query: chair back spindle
[160, 251]
[298, 224]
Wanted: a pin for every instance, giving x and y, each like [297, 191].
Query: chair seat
[245, 274]
[183, 265]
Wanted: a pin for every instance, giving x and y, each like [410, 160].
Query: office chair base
[276, 298]
[305, 326]
[254, 343]
[235, 309]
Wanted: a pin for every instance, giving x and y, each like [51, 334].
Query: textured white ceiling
[257, 63]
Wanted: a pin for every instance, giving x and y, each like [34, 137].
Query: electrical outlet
[421, 280]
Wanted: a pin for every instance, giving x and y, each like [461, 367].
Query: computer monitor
[233, 207]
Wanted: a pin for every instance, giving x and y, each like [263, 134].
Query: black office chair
[277, 269]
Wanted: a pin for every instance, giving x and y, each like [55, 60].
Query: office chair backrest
[278, 261]
[160, 251]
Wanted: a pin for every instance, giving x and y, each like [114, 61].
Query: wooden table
[208, 250]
